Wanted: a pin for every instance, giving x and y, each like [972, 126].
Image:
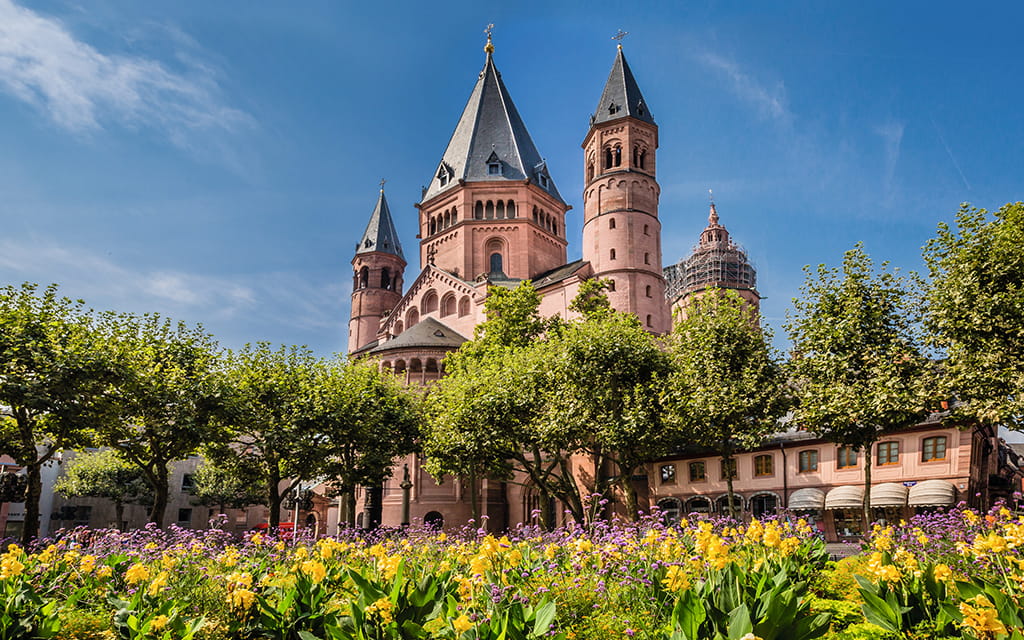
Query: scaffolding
[721, 264]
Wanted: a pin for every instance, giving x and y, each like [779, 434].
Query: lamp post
[406, 486]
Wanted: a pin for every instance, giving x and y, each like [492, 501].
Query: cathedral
[492, 215]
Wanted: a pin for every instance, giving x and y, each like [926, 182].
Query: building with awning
[809, 499]
[932, 493]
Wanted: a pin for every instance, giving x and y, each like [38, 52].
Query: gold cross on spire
[489, 47]
[619, 36]
[382, 181]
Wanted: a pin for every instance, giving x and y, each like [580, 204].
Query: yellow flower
[241, 599]
[462, 624]
[942, 572]
[136, 573]
[150, 546]
[389, 568]
[256, 539]
[480, 564]
[10, 567]
[314, 569]
[676, 579]
[301, 553]
[993, 542]
[441, 537]
[158, 583]
[550, 551]
[465, 589]
[751, 636]
[158, 623]
[279, 546]
[87, 564]
[383, 609]
[981, 616]
[239, 579]
[104, 572]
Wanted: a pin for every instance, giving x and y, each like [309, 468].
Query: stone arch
[448, 304]
[722, 503]
[455, 215]
[447, 218]
[764, 503]
[464, 306]
[364, 277]
[608, 158]
[399, 366]
[385, 279]
[429, 302]
[415, 365]
[431, 367]
[698, 504]
[478, 210]
[433, 520]
[499, 210]
[433, 226]
[386, 365]
[671, 509]
[489, 210]
[412, 316]
[510, 209]
[397, 329]
[494, 250]
[536, 214]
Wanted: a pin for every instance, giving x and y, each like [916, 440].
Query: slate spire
[380, 234]
[621, 96]
[490, 142]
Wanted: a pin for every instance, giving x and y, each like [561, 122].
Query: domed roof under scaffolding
[716, 261]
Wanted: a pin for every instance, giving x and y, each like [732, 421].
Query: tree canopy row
[873, 351]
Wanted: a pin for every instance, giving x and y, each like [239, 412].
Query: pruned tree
[54, 377]
[726, 390]
[856, 364]
[105, 474]
[167, 400]
[227, 487]
[364, 419]
[975, 312]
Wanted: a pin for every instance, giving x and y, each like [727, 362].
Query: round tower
[621, 230]
[376, 276]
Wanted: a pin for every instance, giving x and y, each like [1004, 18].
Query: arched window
[618, 156]
[647, 258]
[447, 219]
[489, 210]
[636, 156]
[611, 285]
[433, 226]
[415, 366]
[646, 230]
[364, 278]
[608, 158]
[496, 263]
[611, 223]
[464, 306]
[547, 221]
[554, 226]
[478, 211]
[611, 254]
[536, 214]
[590, 172]
[448, 304]
[510, 209]
[500, 210]
[412, 316]
[455, 215]
[698, 505]
[648, 290]
[385, 279]
[400, 366]
[643, 159]
[722, 504]
[648, 319]
[398, 328]
[429, 302]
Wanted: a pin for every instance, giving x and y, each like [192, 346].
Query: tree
[726, 390]
[167, 401]
[856, 364]
[54, 376]
[364, 418]
[482, 417]
[227, 487]
[105, 474]
[601, 393]
[975, 312]
[269, 409]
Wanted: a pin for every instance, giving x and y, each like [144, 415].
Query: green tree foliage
[856, 363]
[364, 418]
[726, 390]
[167, 399]
[269, 396]
[227, 487]
[53, 379]
[975, 312]
[105, 474]
[603, 374]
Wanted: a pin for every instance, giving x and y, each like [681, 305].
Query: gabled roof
[490, 126]
[621, 96]
[380, 234]
[558, 274]
[427, 333]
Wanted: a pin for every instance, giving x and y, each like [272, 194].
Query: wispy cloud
[949, 152]
[892, 139]
[282, 302]
[84, 90]
[769, 100]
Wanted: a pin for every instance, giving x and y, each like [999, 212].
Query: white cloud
[84, 90]
[770, 101]
[892, 139]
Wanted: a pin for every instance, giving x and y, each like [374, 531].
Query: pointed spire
[713, 214]
[380, 234]
[621, 96]
[490, 142]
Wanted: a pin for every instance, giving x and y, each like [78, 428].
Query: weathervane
[489, 47]
[382, 181]
[619, 36]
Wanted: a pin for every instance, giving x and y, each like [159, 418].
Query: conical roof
[380, 234]
[490, 142]
[621, 96]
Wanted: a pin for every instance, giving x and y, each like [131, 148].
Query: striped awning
[888, 494]
[807, 500]
[848, 497]
[932, 493]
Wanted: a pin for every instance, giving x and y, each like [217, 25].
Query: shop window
[888, 453]
[763, 505]
[808, 461]
[846, 457]
[933, 448]
[764, 465]
[697, 472]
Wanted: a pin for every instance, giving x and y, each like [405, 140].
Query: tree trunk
[350, 502]
[118, 515]
[159, 508]
[728, 483]
[866, 515]
[275, 499]
[32, 494]
[570, 494]
[474, 497]
[547, 509]
[628, 494]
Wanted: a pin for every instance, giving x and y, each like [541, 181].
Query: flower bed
[954, 575]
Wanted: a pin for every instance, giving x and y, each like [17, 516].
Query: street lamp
[406, 486]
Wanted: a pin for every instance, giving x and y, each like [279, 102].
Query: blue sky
[217, 161]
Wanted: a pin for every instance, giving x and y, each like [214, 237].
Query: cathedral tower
[621, 230]
[377, 276]
[491, 207]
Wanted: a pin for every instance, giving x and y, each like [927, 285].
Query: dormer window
[543, 181]
[493, 164]
[444, 174]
